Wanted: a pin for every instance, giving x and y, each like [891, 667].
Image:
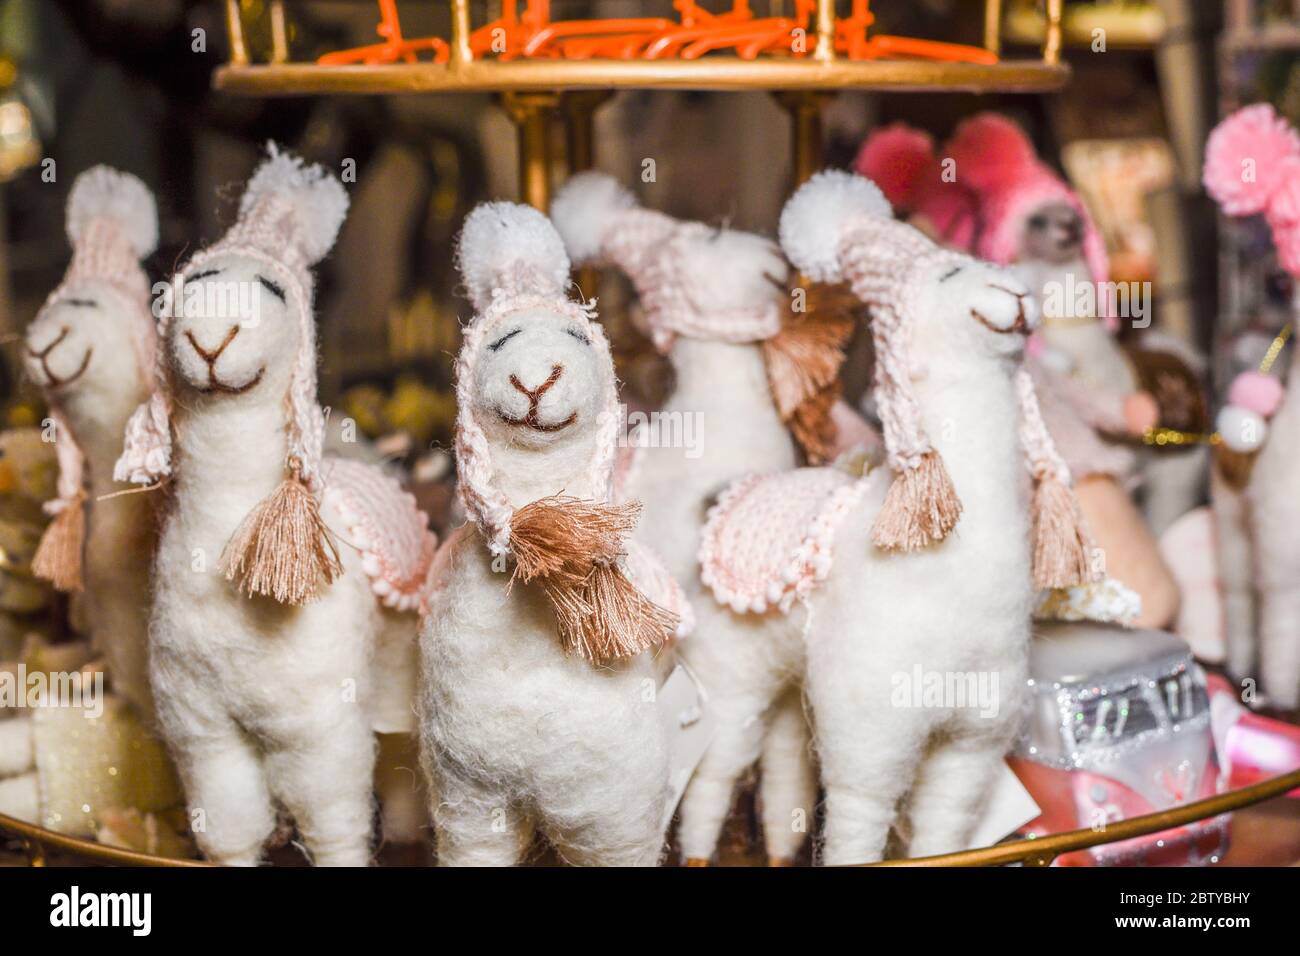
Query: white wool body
[94, 408]
[724, 388]
[1259, 563]
[261, 703]
[517, 734]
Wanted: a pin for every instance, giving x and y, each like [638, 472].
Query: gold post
[1052, 41]
[279, 33]
[993, 26]
[825, 51]
[235, 30]
[805, 109]
[530, 113]
[460, 30]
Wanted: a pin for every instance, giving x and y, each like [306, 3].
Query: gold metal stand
[531, 114]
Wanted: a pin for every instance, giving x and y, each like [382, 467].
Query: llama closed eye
[82, 303]
[203, 274]
[578, 334]
[503, 340]
[274, 288]
[956, 270]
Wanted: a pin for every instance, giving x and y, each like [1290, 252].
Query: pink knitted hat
[997, 162]
[837, 227]
[1252, 165]
[513, 261]
[112, 223]
[602, 223]
[289, 217]
[901, 161]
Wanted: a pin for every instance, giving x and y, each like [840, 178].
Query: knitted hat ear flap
[511, 259]
[58, 556]
[1061, 544]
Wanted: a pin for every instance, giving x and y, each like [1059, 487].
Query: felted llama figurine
[537, 703]
[949, 333]
[1252, 166]
[282, 629]
[91, 351]
[752, 376]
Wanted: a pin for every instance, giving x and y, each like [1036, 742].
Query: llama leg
[1279, 645]
[20, 797]
[953, 784]
[741, 716]
[323, 774]
[17, 746]
[788, 779]
[229, 804]
[1235, 558]
[476, 826]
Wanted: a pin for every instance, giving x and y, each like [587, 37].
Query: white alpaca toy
[748, 373]
[91, 351]
[1251, 164]
[943, 586]
[274, 650]
[537, 705]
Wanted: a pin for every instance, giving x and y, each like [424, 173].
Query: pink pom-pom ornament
[1246, 159]
[1259, 392]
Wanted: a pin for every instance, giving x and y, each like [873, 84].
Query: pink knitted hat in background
[513, 261]
[997, 163]
[838, 227]
[112, 223]
[289, 217]
[901, 161]
[1252, 166]
[602, 224]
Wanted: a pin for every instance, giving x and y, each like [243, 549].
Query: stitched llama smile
[534, 396]
[214, 383]
[43, 356]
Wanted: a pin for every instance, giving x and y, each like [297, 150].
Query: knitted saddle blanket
[385, 525]
[769, 540]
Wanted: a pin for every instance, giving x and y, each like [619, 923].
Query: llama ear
[502, 243]
[817, 216]
[105, 193]
[583, 211]
[319, 200]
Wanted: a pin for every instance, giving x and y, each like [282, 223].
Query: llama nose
[535, 394]
[211, 356]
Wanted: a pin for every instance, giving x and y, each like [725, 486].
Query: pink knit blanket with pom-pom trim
[770, 539]
[384, 524]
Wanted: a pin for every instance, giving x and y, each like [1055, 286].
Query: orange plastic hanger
[393, 48]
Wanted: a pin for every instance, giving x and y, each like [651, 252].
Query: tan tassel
[571, 547]
[920, 508]
[803, 364]
[1234, 466]
[282, 549]
[58, 556]
[1061, 543]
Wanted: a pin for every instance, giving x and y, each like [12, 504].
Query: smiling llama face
[726, 269]
[82, 344]
[538, 379]
[234, 332]
[964, 305]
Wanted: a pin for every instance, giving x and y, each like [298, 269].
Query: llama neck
[972, 416]
[97, 422]
[229, 456]
[525, 475]
[724, 386]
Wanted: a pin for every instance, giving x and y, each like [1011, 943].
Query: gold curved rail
[1036, 852]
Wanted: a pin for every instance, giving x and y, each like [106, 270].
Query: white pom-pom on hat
[815, 218]
[105, 193]
[585, 209]
[319, 201]
[503, 243]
